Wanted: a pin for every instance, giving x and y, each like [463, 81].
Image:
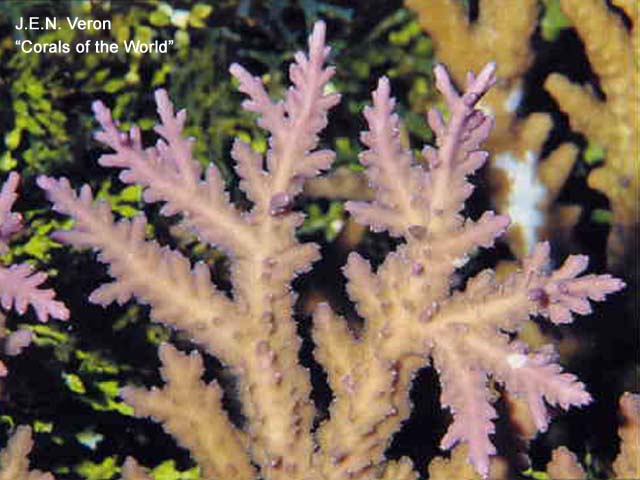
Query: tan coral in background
[457, 466]
[612, 123]
[627, 464]
[523, 187]
[14, 464]
[132, 471]
[564, 465]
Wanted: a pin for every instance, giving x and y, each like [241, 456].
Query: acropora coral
[611, 122]
[411, 315]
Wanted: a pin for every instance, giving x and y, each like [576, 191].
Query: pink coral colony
[412, 316]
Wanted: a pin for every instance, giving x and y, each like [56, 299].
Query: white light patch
[461, 261]
[485, 108]
[180, 18]
[516, 360]
[525, 194]
[512, 102]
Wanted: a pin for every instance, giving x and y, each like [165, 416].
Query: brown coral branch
[132, 471]
[565, 466]
[169, 174]
[192, 413]
[627, 463]
[179, 296]
[614, 54]
[14, 464]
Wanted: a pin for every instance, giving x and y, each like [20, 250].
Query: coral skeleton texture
[412, 318]
[612, 123]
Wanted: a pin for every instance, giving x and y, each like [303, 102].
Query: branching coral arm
[19, 288]
[179, 296]
[501, 33]
[564, 465]
[411, 278]
[14, 464]
[521, 185]
[536, 290]
[627, 463]
[10, 222]
[531, 376]
[276, 392]
[132, 471]
[19, 285]
[353, 447]
[426, 203]
[465, 392]
[457, 142]
[169, 174]
[399, 470]
[294, 123]
[390, 168]
[192, 413]
[254, 332]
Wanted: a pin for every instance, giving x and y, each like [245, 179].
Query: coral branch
[465, 392]
[627, 463]
[179, 296]
[304, 111]
[192, 413]
[399, 470]
[19, 289]
[10, 222]
[14, 464]
[169, 174]
[132, 471]
[19, 284]
[615, 58]
[253, 331]
[565, 466]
